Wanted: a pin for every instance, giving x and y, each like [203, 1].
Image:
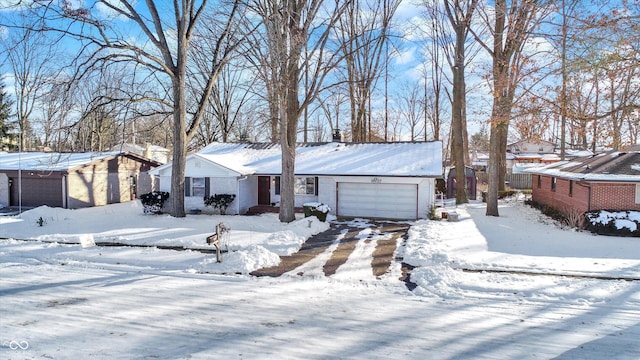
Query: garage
[72, 180]
[37, 191]
[377, 200]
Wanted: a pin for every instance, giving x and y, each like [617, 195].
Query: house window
[637, 193]
[276, 185]
[553, 184]
[195, 186]
[306, 186]
[539, 181]
[570, 187]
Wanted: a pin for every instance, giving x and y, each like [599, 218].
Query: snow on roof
[50, 161]
[389, 159]
[609, 166]
[524, 156]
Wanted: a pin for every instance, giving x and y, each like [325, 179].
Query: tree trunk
[179, 127]
[287, 180]
[497, 144]
[288, 134]
[457, 131]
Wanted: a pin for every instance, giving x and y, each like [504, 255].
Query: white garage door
[390, 201]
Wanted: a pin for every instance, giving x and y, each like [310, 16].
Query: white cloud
[107, 12]
[405, 57]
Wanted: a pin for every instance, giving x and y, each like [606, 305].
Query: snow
[622, 219]
[49, 161]
[514, 286]
[345, 159]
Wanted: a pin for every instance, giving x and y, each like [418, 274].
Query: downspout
[65, 191]
[588, 186]
[238, 193]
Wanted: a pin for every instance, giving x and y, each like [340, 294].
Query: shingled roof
[609, 166]
[402, 159]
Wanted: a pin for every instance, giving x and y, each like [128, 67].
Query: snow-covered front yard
[513, 287]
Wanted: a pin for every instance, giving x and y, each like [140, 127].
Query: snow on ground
[253, 242]
[66, 301]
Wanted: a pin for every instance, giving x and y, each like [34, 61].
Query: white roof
[50, 161]
[350, 159]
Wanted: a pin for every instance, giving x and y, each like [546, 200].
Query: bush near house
[614, 223]
[219, 201]
[316, 209]
[549, 211]
[153, 202]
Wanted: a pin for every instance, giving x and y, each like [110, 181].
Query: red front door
[264, 190]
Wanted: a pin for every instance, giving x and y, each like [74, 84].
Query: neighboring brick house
[607, 181]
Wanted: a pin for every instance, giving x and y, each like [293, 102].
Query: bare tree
[162, 44]
[410, 109]
[364, 30]
[231, 94]
[331, 106]
[298, 33]
[511, 24]
[28, 52]
[460, 14]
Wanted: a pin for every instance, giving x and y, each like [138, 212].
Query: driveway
[344, 242]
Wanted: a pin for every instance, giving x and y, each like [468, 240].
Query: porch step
[261, 209]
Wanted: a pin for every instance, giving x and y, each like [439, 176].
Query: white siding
[248, 195]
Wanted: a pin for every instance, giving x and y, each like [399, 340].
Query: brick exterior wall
[613, 196]
[604, 196]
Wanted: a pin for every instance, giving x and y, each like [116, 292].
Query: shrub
[575, 218]
[219, 201]
[548, 211]
[154, 201]
[614, 223]
[506, 193]
[318, 210]
[433, 215]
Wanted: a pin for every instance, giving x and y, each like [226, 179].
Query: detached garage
[72, 180]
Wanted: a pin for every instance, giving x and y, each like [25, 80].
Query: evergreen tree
[5, 113]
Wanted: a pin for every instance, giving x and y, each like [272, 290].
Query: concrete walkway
[382, 256]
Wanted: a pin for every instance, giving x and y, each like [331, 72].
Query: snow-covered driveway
[357, 250]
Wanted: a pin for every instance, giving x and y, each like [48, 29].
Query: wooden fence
[514, 181]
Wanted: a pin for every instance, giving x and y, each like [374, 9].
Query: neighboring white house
[530, 146]
[377, 180]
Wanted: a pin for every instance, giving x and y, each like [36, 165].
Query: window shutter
[187, 186]
[316, 184]
[207, 186]
[277, 185]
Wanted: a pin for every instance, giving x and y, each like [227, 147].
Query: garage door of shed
[37, 191]
[389, 201]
